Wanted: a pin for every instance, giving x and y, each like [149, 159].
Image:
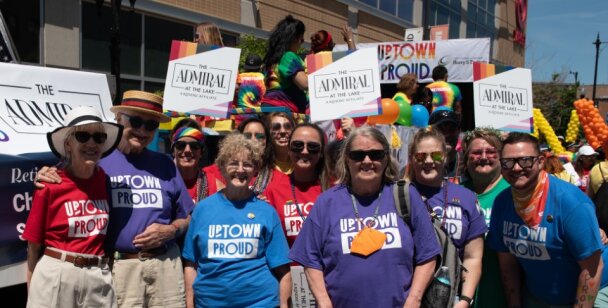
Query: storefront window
[23, 23]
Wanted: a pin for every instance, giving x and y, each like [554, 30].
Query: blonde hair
[236, 143]
[342, 170]
[428, 132]
[69, 137]
[209, 34]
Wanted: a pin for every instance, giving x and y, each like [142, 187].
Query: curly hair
[428, 132]
[234, 144]
[406, 83]
[283, 35]
[343, 172]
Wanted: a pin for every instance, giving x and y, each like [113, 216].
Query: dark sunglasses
[524, 162]
[258, 136]
[277, 126]
[181, 145]
[297, 146]
[136, 122]
[374, 155]
[436, 156]
[98, 137]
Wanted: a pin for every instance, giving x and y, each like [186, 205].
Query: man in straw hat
[150, 208]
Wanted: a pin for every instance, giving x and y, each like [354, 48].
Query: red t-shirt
[280, 195]
[72, 215]
[215, 180]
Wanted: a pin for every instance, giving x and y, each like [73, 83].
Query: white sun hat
[79, 116]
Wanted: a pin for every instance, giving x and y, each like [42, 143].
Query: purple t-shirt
[463, 219]
[146, 188]
[381, 279]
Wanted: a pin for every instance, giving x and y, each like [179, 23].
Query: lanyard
[444, 185]
[375, 217]
[293, 191]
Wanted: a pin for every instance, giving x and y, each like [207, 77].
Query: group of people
[118, 225]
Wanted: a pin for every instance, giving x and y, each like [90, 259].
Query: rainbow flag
[483, 70]
[181, 49]
[315, 62]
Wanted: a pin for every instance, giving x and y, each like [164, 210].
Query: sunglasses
[436, 156]
[297, 146]
[490, 153]
[181, 145]
[136, 122]
[277, 126]
[524, 162]
[258, 136]
[98, 137]
[374, 155]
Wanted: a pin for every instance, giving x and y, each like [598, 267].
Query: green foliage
[555, 100]
[250, 44]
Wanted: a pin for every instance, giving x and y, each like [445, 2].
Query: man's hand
[46, 175]
[154, 236]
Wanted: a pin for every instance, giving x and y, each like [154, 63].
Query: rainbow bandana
[188, 132]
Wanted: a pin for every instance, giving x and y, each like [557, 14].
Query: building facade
[75, 34]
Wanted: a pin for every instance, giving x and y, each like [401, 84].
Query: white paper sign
[504, 101]
[301, 296]
[413, 34]
[34, 100]
[348, 87]
[203, 83]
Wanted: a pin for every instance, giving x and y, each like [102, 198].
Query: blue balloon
[420, 116]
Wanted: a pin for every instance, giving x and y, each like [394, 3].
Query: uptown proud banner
[396, 59]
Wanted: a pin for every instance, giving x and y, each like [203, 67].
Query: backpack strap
[401, 194]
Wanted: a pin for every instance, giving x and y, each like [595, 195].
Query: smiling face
[188, 156]
[306, 159]
[137, 138]
[428, 169]
[239, 170]
[522, 179]
[280, 129]
[368, 172]
[483, 159]
[85, 153]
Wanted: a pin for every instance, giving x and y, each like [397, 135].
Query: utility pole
[575, 77]
[597, 44]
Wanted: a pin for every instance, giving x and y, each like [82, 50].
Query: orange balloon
[390, 112]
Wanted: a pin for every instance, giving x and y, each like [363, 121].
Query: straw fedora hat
[140, 101]
[79, 116]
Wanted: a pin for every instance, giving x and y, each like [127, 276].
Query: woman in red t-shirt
[294, 195]
[66, 227]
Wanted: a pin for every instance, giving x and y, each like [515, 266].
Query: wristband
[466, 299]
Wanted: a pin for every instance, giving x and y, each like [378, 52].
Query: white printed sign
[203, 83]
[301, 296]
[34, 100]
[504, 101]
[348, 87]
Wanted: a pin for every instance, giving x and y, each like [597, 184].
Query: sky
[560, 36]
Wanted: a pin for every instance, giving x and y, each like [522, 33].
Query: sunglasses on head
[98, 137]
[374, 155]
[297, 146]
[137, 121]
[277, 126]
[181, 145]
[436, 156]
[524, 162]
[258, 136]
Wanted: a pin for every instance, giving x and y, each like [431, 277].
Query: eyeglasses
[277, 126]
[436, 156]
[98, 137]
[524, 162]
[181, 145]
[297, 146]
[258, 136]
[374, 155]
[490, 153]
[137, 121]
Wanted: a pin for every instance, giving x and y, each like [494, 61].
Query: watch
[466, 299]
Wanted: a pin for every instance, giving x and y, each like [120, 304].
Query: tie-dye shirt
[281, 90]
[251, 89]
[444, 94]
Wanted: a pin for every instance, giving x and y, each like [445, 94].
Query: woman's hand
[348, 124]
[603, 237]
[347, 34]
[46, 175]
[461, 304]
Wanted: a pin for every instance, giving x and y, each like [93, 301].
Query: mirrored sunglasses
[436, 156]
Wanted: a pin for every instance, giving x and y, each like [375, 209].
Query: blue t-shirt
[145, 188]
[382, 279]
[235, 246]
[549, 255]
